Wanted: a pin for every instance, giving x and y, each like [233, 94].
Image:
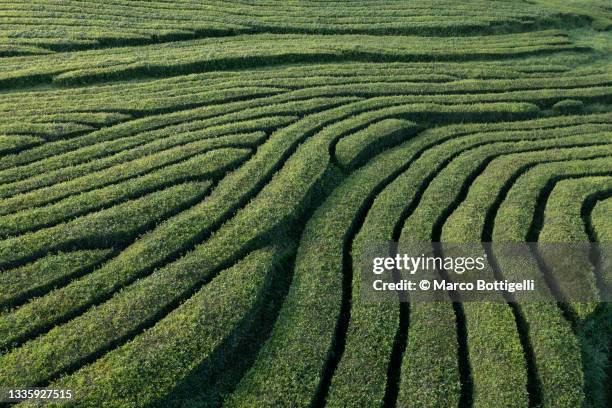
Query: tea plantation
[187, 187]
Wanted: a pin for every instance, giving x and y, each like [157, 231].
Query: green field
[186, 190]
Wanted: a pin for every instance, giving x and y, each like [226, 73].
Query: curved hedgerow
[186, 182]
[303, 384]
[157, 153]
[385, 209]
[90, 105]
[196, 334]
[25, 281]
[48, 131]
[471, 213]
[550, 333]
[208, 165]
[602, 233]
[156, 21]
[115, 320]
[155, 95]
[474, 210]
[159, 244]
[599, 216]
[15, 143]
[210, 121]
[564, 221]
[320, 260]
[265, 49]
[484, 321]
[365, 347]
[83, 178]
[353, 150]
[563, 215]
[113, 225]
[530, 188]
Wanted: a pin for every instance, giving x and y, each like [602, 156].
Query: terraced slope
[76, 25]
[186, 190]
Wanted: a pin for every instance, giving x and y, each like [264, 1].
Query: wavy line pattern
[186, 188]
